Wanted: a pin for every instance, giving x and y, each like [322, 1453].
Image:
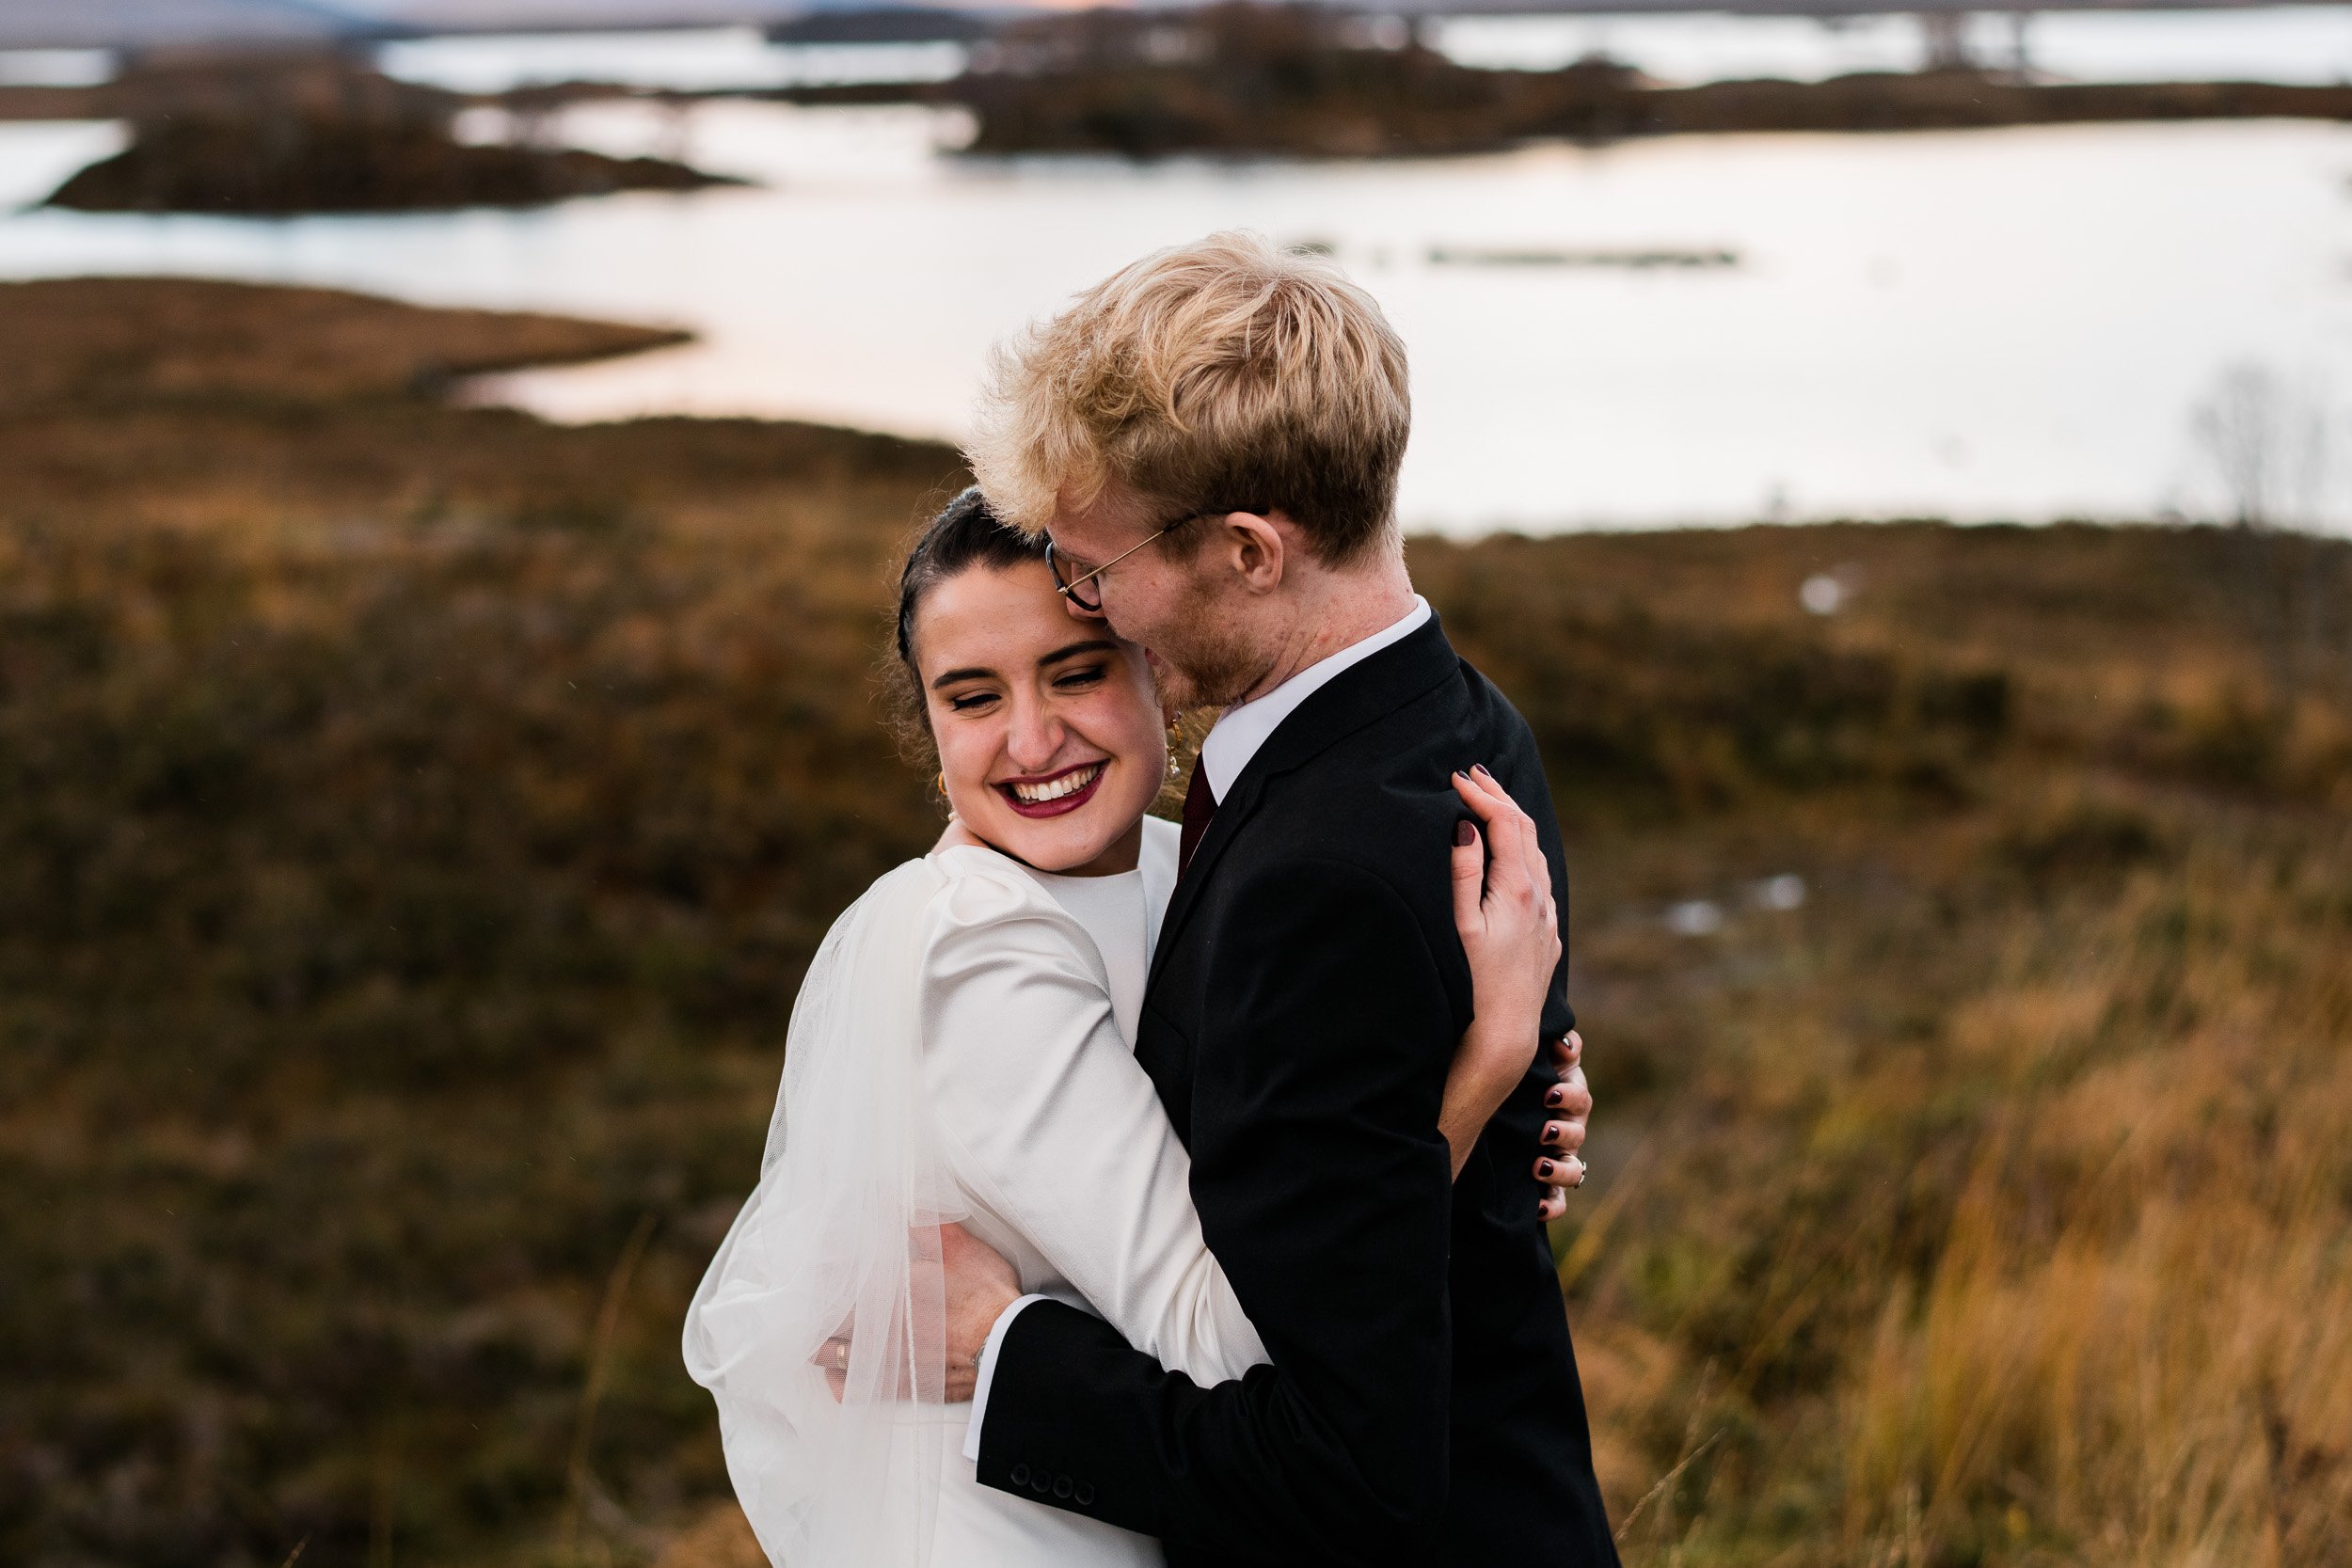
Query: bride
[959, 1068]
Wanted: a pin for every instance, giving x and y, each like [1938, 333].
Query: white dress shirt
[1244, 727]
[1236, 739]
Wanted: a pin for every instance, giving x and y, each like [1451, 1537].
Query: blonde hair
[1222, 375]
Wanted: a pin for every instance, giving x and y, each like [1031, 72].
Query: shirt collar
[1244, 727]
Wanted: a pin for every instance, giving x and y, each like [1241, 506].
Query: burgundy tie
[1199, 805]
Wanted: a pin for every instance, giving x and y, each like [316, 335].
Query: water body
[2305, 44]
[1980, 325]
[696, 60]
[2284, 43]
[56, 68]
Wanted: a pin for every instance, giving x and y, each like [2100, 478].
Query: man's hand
[1560, 1166]
[979, 1286]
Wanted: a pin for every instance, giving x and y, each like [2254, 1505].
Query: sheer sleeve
[1047, 1120]
[841, 1234]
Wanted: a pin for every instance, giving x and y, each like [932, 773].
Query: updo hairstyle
[963, 535]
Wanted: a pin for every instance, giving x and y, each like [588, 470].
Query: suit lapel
[1354, 698]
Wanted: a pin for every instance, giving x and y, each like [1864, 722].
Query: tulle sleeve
[843, 1227]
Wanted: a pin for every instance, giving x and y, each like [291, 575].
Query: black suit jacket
[1306, 998]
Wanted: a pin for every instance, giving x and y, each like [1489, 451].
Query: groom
[1211, 439]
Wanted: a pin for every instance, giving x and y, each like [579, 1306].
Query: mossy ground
[413, 820]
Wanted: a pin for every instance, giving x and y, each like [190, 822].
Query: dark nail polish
[1554, 1096]
[1543, 1167]
[1464, 835]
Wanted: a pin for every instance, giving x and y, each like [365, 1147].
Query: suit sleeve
[1322, 1182]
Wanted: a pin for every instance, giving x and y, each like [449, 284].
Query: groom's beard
[1212, 666]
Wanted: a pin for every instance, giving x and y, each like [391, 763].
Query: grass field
[413, 821]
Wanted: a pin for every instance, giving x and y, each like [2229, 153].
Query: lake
[2268, 43]
[2272, 43]
[2014, 324]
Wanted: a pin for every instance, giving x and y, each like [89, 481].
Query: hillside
[413, 820]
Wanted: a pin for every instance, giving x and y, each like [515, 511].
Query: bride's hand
[1560, 1159]
[1510, 929]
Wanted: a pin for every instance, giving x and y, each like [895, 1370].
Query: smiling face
[1049, 735]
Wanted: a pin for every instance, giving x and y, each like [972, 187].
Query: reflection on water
[36, 156]
[1978, 324]
[2273, 43]
[2279, 43]
[56, 68]
[1688, 47]
[2282, 43]
[698, 59]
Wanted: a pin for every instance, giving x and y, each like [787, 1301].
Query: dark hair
[963, 535]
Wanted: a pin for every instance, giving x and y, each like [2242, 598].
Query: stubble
[1206, 664]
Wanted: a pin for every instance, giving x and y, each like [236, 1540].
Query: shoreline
[92, 345]
[1251, 96]
[270, 136]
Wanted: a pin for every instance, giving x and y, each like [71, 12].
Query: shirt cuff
[988, 1374]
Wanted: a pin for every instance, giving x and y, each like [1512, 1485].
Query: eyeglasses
[1068, 587]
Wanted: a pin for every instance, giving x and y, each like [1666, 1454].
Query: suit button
[1084, 1497]
[1061, 1486]
[1041, 1483]
[1021, 1475]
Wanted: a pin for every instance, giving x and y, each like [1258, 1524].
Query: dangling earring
[940, 783]
[1175, 741]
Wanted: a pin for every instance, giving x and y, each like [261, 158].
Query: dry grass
[2135, 1346]
[86, 341]
[1995, 1207]
[412, 822]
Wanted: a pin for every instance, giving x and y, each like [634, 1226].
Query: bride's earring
[1175, 742]
[939, 781]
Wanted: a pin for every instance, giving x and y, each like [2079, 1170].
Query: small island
[289, 132]
[278, 136]
[1243, 79]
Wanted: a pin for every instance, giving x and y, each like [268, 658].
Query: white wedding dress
[961, 1050]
